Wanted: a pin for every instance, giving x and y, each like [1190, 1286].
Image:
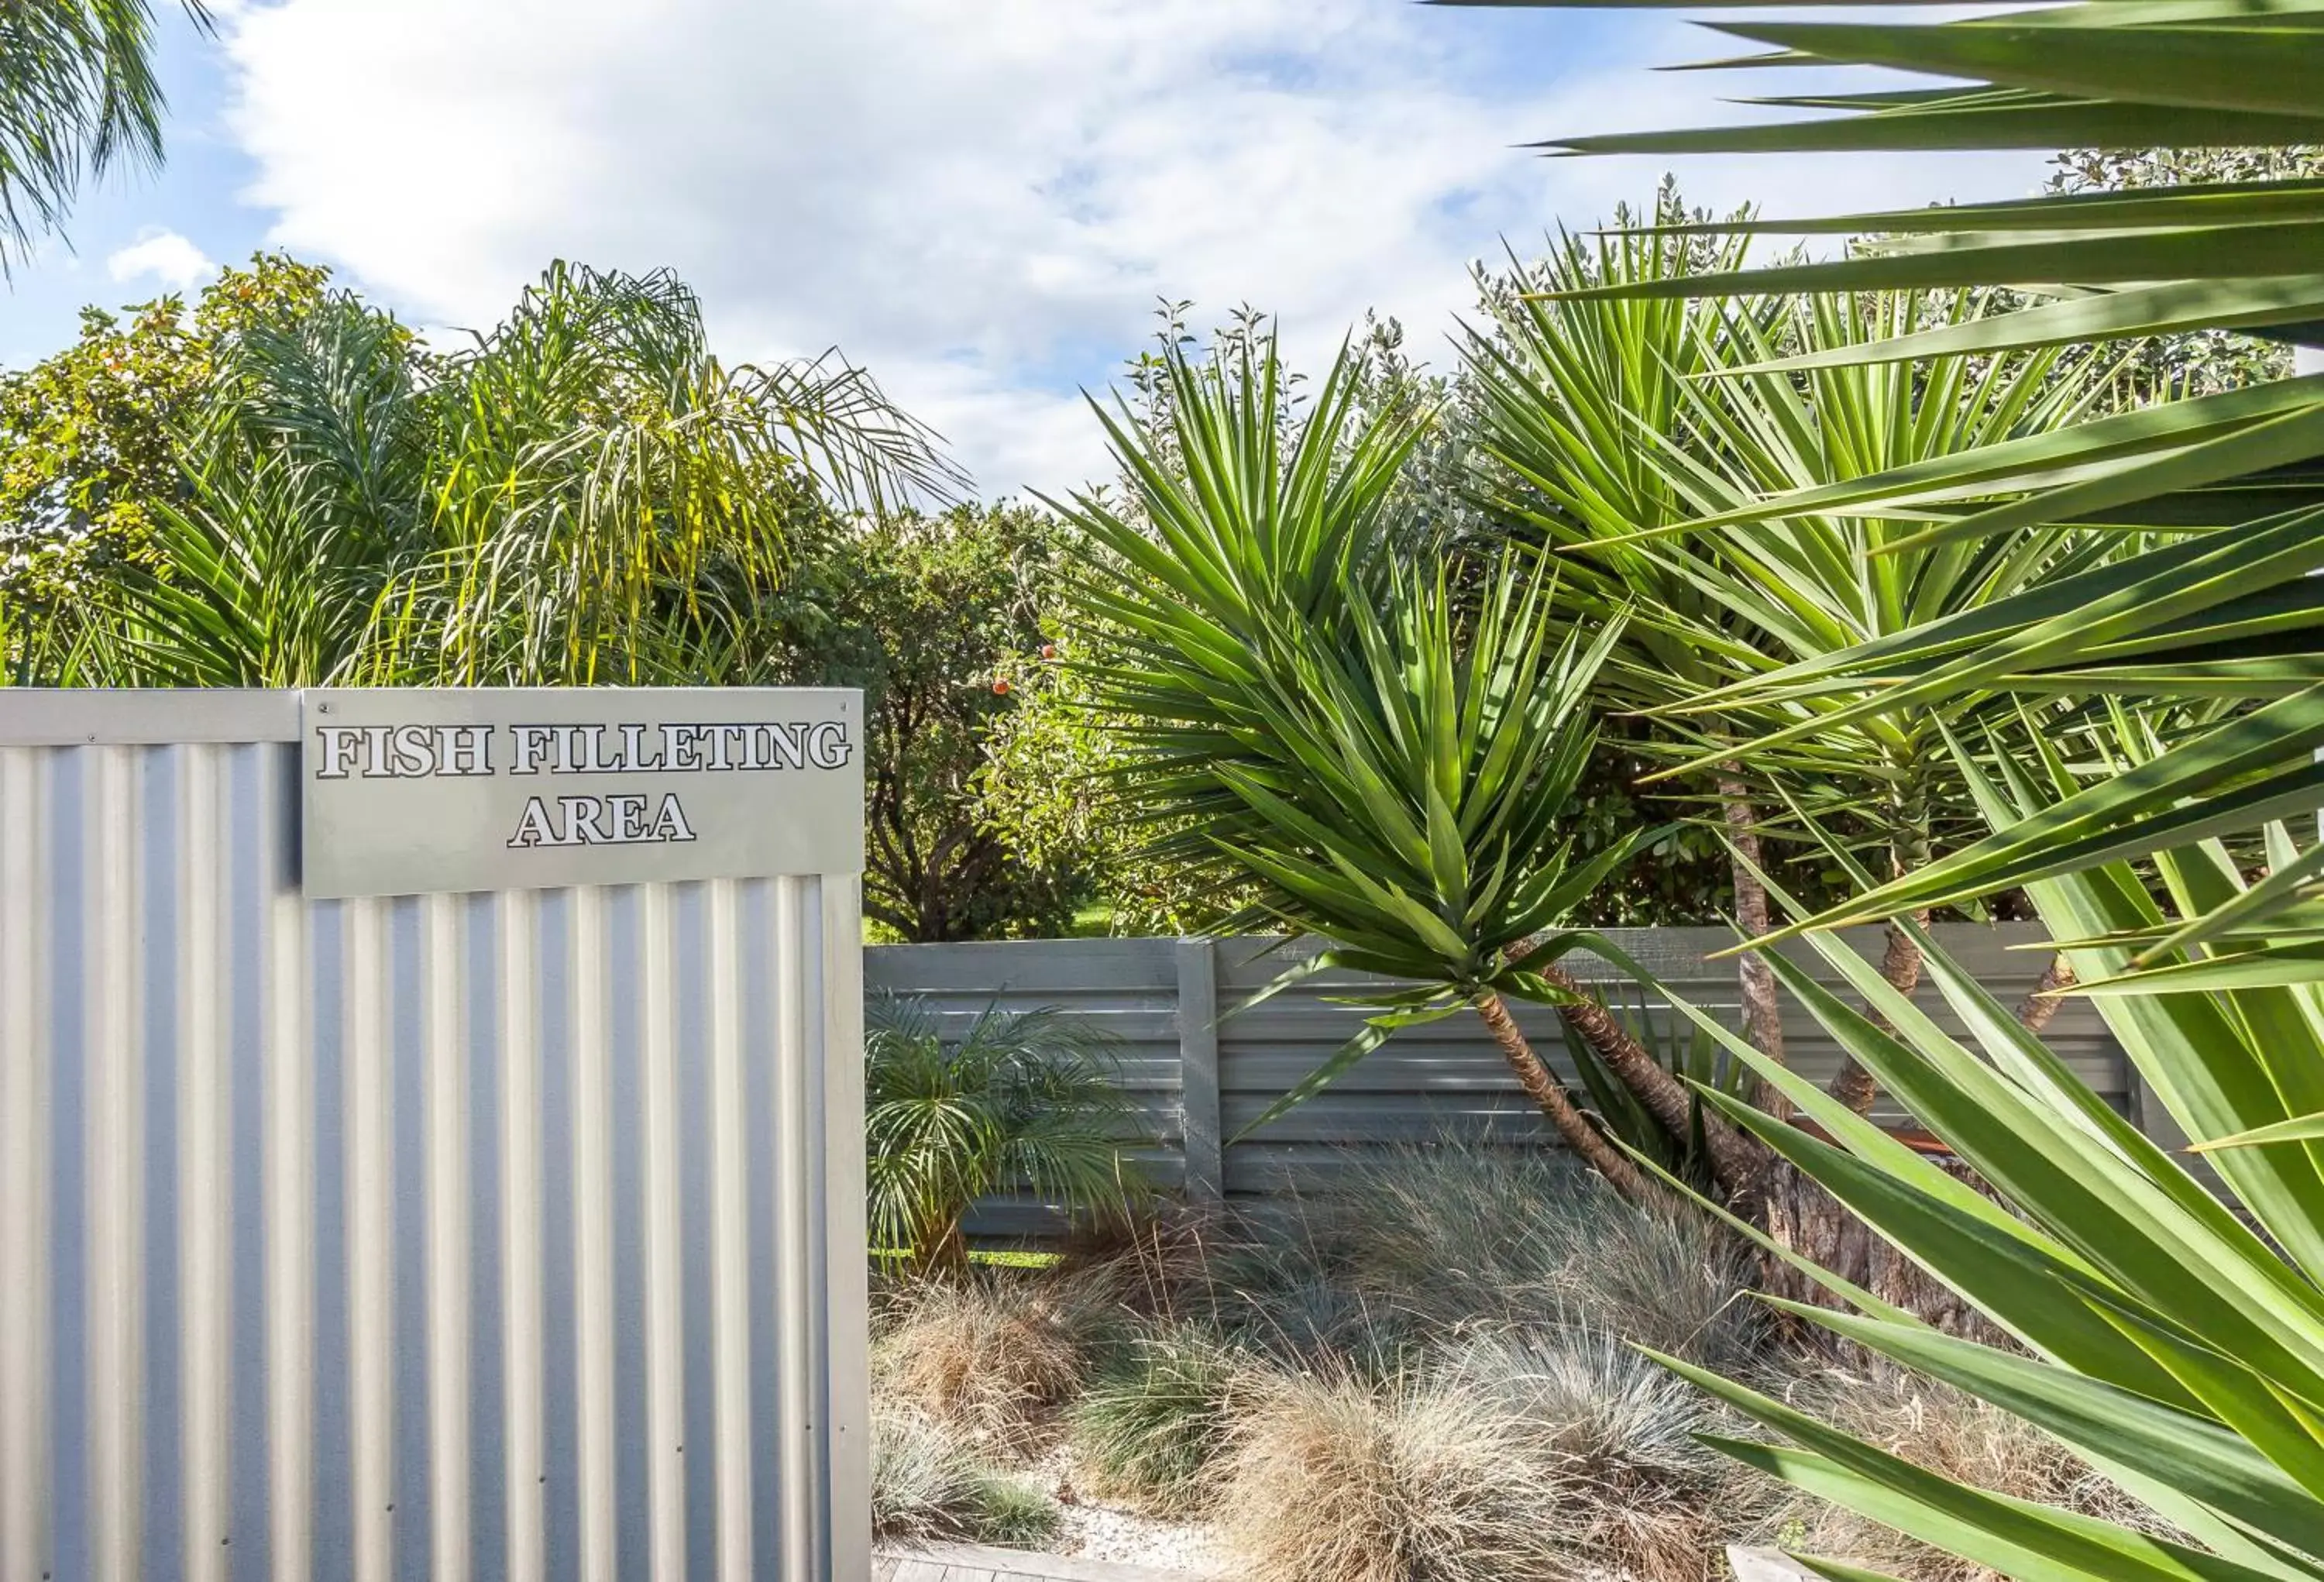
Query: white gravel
[1103, 1533]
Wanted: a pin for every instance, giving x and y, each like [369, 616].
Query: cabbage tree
[1385, 754]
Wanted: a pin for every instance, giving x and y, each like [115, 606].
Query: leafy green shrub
[929, 1482]
[1146, 1432]
[1021, 1100]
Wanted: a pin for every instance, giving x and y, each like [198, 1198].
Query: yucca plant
[2229, 609]
[1384, 754]
[1022, 1101]
[2172, 1330]
[1630, 427]
[2170, 1340]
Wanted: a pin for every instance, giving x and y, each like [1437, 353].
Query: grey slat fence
[1198, 1073]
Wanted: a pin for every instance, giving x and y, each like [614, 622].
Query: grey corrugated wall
[1164, 999]
[457, 1236]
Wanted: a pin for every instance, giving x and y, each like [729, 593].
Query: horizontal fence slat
[1445, 1080]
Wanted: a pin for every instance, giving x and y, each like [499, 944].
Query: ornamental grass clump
[929, 1482]
[1147, 1433]
[1333, 1478]
[993, 1356]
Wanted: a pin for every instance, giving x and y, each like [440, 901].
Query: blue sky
[981, 202]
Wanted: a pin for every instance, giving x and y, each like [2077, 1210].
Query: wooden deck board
[969, 1562]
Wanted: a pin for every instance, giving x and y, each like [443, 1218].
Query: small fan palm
[1022, 1101]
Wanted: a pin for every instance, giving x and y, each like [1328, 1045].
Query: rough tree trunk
[1545, 1090]
[1736, 1160]
[2036, 1009]
[1804, 1217]
[1900, 963]
[1763, 1012]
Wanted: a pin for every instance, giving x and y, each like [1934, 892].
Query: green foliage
[584, 494]
[1385, 761]
[1051, 758]
[2230, 612]
[927, 1483]
[938, 618]
[1613, 441]
[78, 98]
[88, 438]
[1020, 1102]
[2169, 1335]
[1148, 1431]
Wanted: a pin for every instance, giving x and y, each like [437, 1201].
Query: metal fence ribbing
[1198, 1071]
[513, 1234]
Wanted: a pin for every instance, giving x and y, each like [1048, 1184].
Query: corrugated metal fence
[1200, 1075]
[438, 1237]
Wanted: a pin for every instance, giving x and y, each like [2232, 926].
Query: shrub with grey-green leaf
[927, 1483]
[1452, 1234]
[1147, 1433]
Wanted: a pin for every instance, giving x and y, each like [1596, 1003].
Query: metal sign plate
[411, 792]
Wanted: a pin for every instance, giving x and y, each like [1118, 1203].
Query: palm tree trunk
[1736, 1160]
[2036, 1009]
[1900, 960]
[1545, 1091]
[1763, 1016]
[1900, 963]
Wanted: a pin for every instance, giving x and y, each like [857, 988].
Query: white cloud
[983, 202]
[162, 255]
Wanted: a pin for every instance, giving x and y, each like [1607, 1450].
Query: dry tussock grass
[1331, 1479]
[1964, 1439]
[1550, 1459]
[993, 1357]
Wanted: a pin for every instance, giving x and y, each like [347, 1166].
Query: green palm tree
[2225, 610]
[1022, 1101]
[77, 96]
[1643, 436]
[1386, 759]
[584, 494]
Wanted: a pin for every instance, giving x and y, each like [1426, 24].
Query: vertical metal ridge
[759, 1075]
[633, 1423]
[291, 1058]
[248, 837]
[160, 1035]
[72, 1274]
[331, 1377]
[370, 1236]
[592, 1237]
[846, 1521]
[26, 1166]
[523, 1341]
[558, 1365]
[114, 1151]
[204, 1227]
[489, 1494]
[665, 1416]
[411, 1277]
[794, 1272]
[444, 1054]
[729, 1240]
[697, 1221]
